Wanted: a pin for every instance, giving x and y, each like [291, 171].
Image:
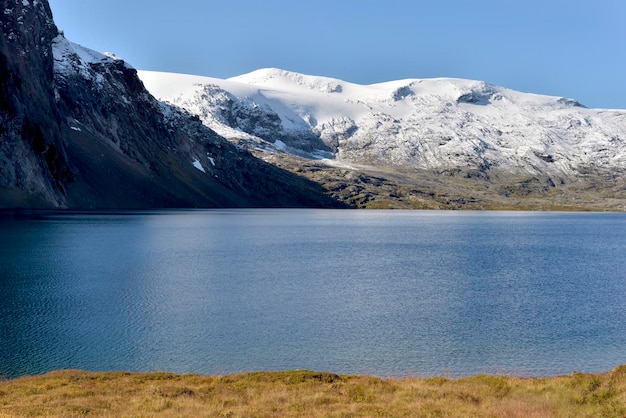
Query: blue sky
[569, 48]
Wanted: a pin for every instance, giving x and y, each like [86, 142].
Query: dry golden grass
[310, 394]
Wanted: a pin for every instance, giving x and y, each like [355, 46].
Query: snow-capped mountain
[78, 129]
[436, 124]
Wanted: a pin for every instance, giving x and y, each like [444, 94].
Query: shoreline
[310, 393]
[497, 372]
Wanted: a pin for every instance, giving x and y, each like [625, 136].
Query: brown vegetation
[311, 394]
[404, 188]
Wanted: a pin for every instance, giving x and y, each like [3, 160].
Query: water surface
[390, 293]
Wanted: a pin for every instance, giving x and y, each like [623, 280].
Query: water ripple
[386, 293]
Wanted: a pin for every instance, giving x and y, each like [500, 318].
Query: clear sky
[571, 48]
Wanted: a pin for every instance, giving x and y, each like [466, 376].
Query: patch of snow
[116, 58]
[25, 3]
[196, 164]
[166, 110]
[70, 57]
[76, 128]
[342, 164]
[99, 79]
[280, 145]
[111, 55]
[211, 160]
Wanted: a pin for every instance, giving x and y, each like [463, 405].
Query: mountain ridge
[78, 129]
[471, 114]
[442, 127]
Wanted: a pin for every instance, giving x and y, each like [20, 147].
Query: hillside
[428, 142]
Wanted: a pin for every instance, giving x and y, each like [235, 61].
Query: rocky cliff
[33, 165]
[78, 130]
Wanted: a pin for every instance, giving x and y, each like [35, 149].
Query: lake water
[390, 293]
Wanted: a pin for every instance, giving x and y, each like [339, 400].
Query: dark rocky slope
[82, 132]
[33, 165]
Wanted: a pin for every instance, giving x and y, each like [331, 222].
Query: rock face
[33, 165]
[79, 130]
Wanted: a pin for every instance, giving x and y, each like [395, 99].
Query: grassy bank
[311, 394]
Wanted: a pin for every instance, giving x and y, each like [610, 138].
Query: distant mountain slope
[431, 143]
[79, 130]
[437, 124]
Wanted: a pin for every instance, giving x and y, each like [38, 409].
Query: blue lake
[390, 293]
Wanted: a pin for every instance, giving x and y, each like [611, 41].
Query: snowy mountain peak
[452, 89]
[434, 123]
[282, 79]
